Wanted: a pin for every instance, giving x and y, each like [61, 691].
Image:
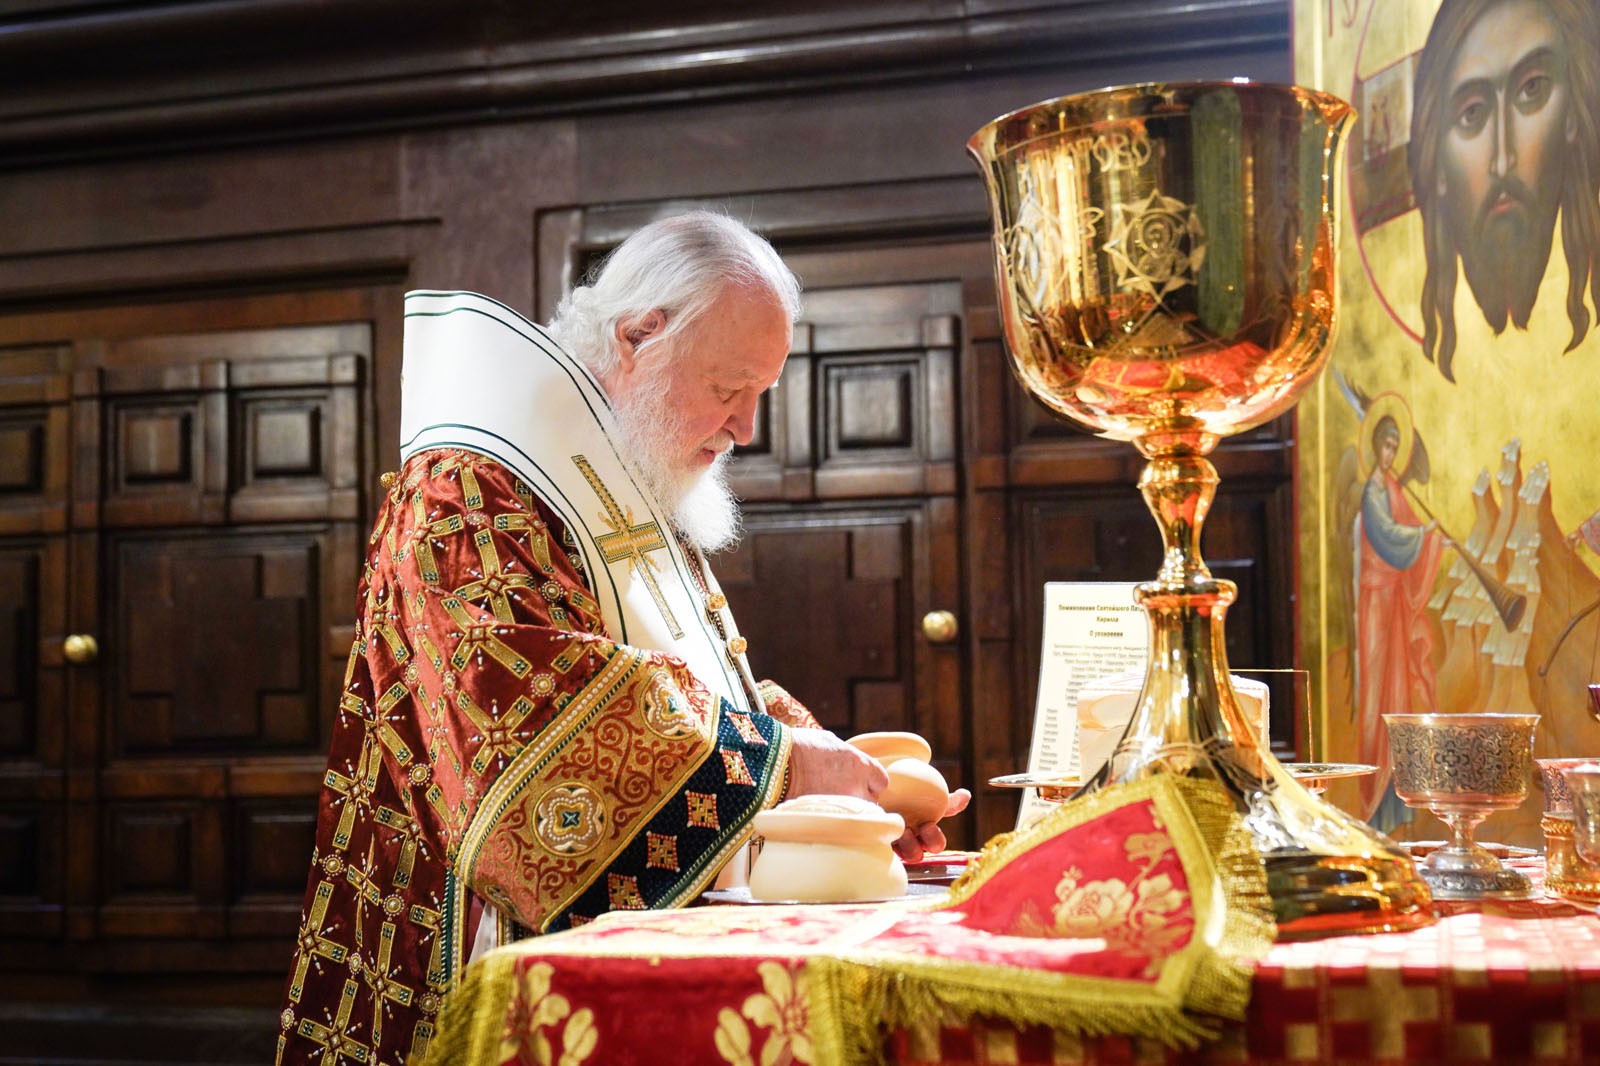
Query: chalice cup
[1165, 260]
[1583, 785]
[1566, 873]
[1463, 768]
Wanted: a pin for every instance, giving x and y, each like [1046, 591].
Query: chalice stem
[1179, 489]
[1462, 826]
[1188, 712]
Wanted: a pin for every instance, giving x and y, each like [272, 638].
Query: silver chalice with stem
[1463, 768]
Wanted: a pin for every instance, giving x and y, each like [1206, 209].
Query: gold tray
[740, 895]
[1050, 786]
[1061, 786]
[1328, 771]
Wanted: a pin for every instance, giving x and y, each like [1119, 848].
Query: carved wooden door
[181, 513]
[851, 517]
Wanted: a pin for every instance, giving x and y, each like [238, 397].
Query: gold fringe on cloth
[1205, 981]
[1154, 953]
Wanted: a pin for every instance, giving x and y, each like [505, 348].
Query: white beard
[698, 502]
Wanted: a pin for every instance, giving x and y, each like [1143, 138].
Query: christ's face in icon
[1510, 123]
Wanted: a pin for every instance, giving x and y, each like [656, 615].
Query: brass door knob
[80, 648]
[940, 627]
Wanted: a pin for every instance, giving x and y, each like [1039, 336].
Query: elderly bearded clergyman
[548, 713]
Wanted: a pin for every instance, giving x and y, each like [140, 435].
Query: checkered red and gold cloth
[1507, 984]
[1499, 984]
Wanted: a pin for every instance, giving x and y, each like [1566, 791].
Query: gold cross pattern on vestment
[631, 542]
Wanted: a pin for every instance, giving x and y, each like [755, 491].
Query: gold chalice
[1464, 767]
[1165, 262]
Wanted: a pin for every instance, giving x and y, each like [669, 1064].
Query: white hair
[678, 265]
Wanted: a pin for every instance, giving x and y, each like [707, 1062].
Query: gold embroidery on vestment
[629, 541]
[495, 585]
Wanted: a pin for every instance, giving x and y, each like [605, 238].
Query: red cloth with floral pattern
[1130, 918]
[493, 744]
[1492, 984]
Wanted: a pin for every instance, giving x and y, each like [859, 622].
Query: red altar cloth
[1139, 910]
[1507, 984]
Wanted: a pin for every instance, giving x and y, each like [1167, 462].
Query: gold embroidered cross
[367, 891]
[312, 942]
[498, 737]
[496, 584]
[380, 978]
[335, 1038]
[629, 541]
[381, 619]
[358, 788]
[479, 638]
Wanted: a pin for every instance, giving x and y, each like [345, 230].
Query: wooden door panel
[195, 501]
[30, 869]
[1099, 537]
[32, 699]
[270, 841]
[883, 403]
[824, 600]
[217, 641]
[161, 868]
[35, 391]
[295, 429]
[20, 609]
[865, 407]
[159, 469]
[240, 441]
[35, 441]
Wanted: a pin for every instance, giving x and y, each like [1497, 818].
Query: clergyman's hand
[919, 839]
[820, 762]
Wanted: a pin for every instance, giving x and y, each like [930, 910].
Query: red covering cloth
[1507, 984]
[1518, 986]
[1138, 910]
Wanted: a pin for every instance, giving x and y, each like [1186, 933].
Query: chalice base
[1328, 873]
[1471, 872]
[1566, 874]
[1333, 895]
[1463, 868]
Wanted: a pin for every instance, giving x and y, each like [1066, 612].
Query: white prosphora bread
[917, 791]
[827, 849]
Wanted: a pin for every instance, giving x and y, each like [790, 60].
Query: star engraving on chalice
[1157, 244]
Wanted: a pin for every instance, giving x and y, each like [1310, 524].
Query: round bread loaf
[886, 747]
[824, 819]
[827, 849]
[917, 792]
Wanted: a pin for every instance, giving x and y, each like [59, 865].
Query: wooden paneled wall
[209, 215]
